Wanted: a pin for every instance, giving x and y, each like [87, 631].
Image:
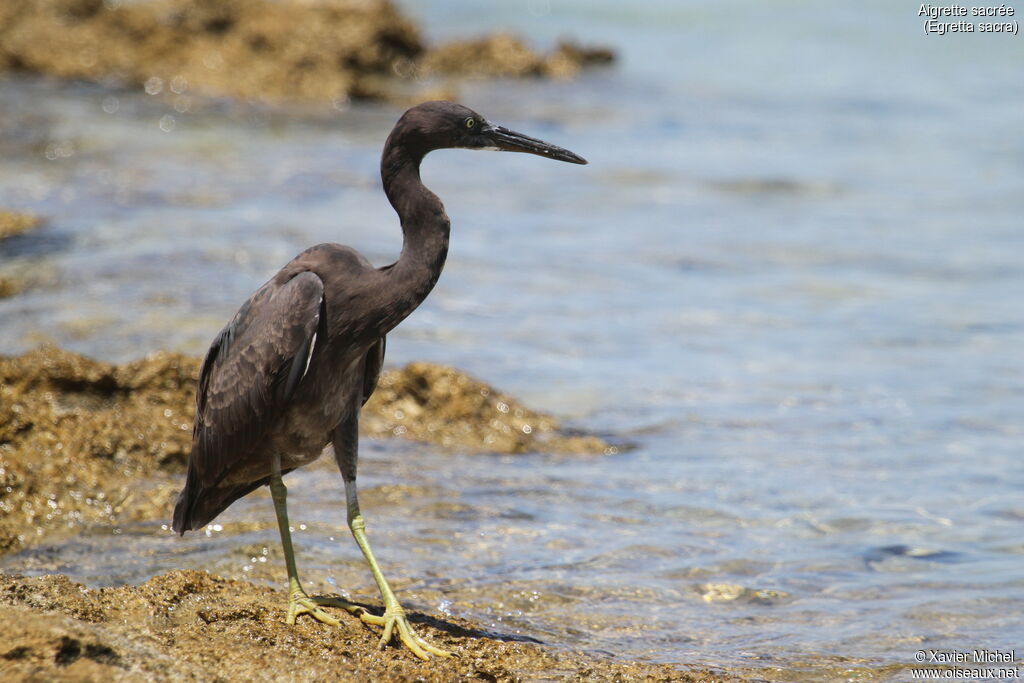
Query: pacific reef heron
[291, 371]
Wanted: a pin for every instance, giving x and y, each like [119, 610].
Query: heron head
[442, 125]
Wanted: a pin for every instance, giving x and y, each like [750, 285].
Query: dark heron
[290, 372]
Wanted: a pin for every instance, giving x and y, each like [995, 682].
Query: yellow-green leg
[298, 602]
[394, 616]
[394, 621]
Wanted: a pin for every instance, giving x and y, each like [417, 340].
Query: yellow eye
[470, 122]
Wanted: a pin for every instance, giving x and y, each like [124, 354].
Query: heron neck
[425, 229]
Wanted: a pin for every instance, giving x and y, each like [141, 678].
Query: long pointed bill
[511, 141]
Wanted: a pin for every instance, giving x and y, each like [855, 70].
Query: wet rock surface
[77, 438]
[439, 404]
[193, 625]
[16, 223]
[272, 50]
[84, 442]
[9, 286]
[506, 55]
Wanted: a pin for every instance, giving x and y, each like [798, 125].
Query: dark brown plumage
[290, 372]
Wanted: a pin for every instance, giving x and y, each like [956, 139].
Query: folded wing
[248, 377]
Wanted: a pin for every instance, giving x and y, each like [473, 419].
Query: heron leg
[298, 601]
[394, 622]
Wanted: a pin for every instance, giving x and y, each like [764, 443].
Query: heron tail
[182, 520]
[197, 506]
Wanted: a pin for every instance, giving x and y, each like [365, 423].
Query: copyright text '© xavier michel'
[939, 19]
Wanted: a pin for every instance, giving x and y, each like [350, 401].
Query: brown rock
[84, 442]
[9, 286]
[287, 49]
[307, 50]
[15, 223]
[498, 55]
[196, 626]
[78, 438]
[439, 404]
[505, 55]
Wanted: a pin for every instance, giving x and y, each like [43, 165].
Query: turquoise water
[790, 275]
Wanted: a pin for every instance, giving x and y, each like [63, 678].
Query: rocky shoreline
[86, 443]
[265, 50]
[15, 224]
[189, 625]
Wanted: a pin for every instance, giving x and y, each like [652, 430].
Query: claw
[394, 618]
[304, 605]
[394, 621]
[350, 607]
[299, 603]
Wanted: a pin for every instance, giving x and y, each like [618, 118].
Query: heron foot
[299, 603]
[394, 621]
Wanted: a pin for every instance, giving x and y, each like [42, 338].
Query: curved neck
[425, 227]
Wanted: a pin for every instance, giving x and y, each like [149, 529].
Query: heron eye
[470, 122]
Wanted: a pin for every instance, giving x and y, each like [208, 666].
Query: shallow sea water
[790, 276]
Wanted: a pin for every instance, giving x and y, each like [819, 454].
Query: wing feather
[252, 370]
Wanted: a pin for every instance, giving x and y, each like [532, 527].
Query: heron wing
[252, 370]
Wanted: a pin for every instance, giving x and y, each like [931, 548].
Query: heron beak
[510, 141]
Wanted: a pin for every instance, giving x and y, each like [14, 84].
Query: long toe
[372, 619]
[350, 607]
[396, 621]
[304, 605]
[414, 640]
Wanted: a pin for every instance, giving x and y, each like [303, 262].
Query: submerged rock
[15, 223]
[730, 592]
[193, 625]
[77, 436]
[9, 286]
[261, 49]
